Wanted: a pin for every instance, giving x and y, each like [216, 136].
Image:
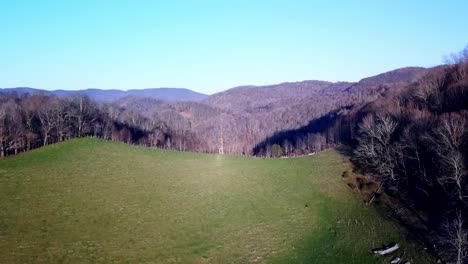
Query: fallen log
[386, 250]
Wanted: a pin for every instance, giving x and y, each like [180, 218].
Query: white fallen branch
[396, 260]
[386, 250]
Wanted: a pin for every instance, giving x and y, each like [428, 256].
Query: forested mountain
[99, 95]
[234, 121]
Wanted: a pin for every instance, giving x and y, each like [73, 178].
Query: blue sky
[209, 46]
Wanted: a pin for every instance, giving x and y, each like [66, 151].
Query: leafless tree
[447, 142]
[47, 119]
[428, 90]
[374, 150]
[458, 57]
[83, 113]
[16, 127]
[287, 147]
[61, 114]
[455, 238]
[268, 151]
[409, 150]
[316, 141]
[4, 133]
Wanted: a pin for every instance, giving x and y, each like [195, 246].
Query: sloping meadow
[88, 200]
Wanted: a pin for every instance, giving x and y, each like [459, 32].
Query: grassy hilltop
[95, 201]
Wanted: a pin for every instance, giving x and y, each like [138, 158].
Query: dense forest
[407, 130]
[415, 140]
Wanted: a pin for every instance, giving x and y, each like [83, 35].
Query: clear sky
[209, 46]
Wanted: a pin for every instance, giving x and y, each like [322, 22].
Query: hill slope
[238, 120]
[88, 200]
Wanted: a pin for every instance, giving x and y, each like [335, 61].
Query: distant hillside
[391, 78]
[234, 121]
[254, 97]
[251, 97]
[256, 112]
[240, 118]
[99, 95]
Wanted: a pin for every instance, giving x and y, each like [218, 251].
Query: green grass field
[92, 201]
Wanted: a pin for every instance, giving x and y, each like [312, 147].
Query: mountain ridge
[110, 95]
[218, 99]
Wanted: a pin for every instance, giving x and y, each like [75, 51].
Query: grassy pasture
[92, 201]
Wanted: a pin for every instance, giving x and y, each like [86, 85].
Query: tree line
[31, 121]
[416, 141]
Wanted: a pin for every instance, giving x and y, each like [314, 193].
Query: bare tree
[447, 141]
[457, 57]
[62, 118]
[287, 146]
[83, 113]
[409, 151]
[301, 144]
[30, 107]
[455, 238]
[268, 151]
[316, 141]
[428, 90]
[374, 149]
[47, 119]
[4, 132]
[17, 129]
